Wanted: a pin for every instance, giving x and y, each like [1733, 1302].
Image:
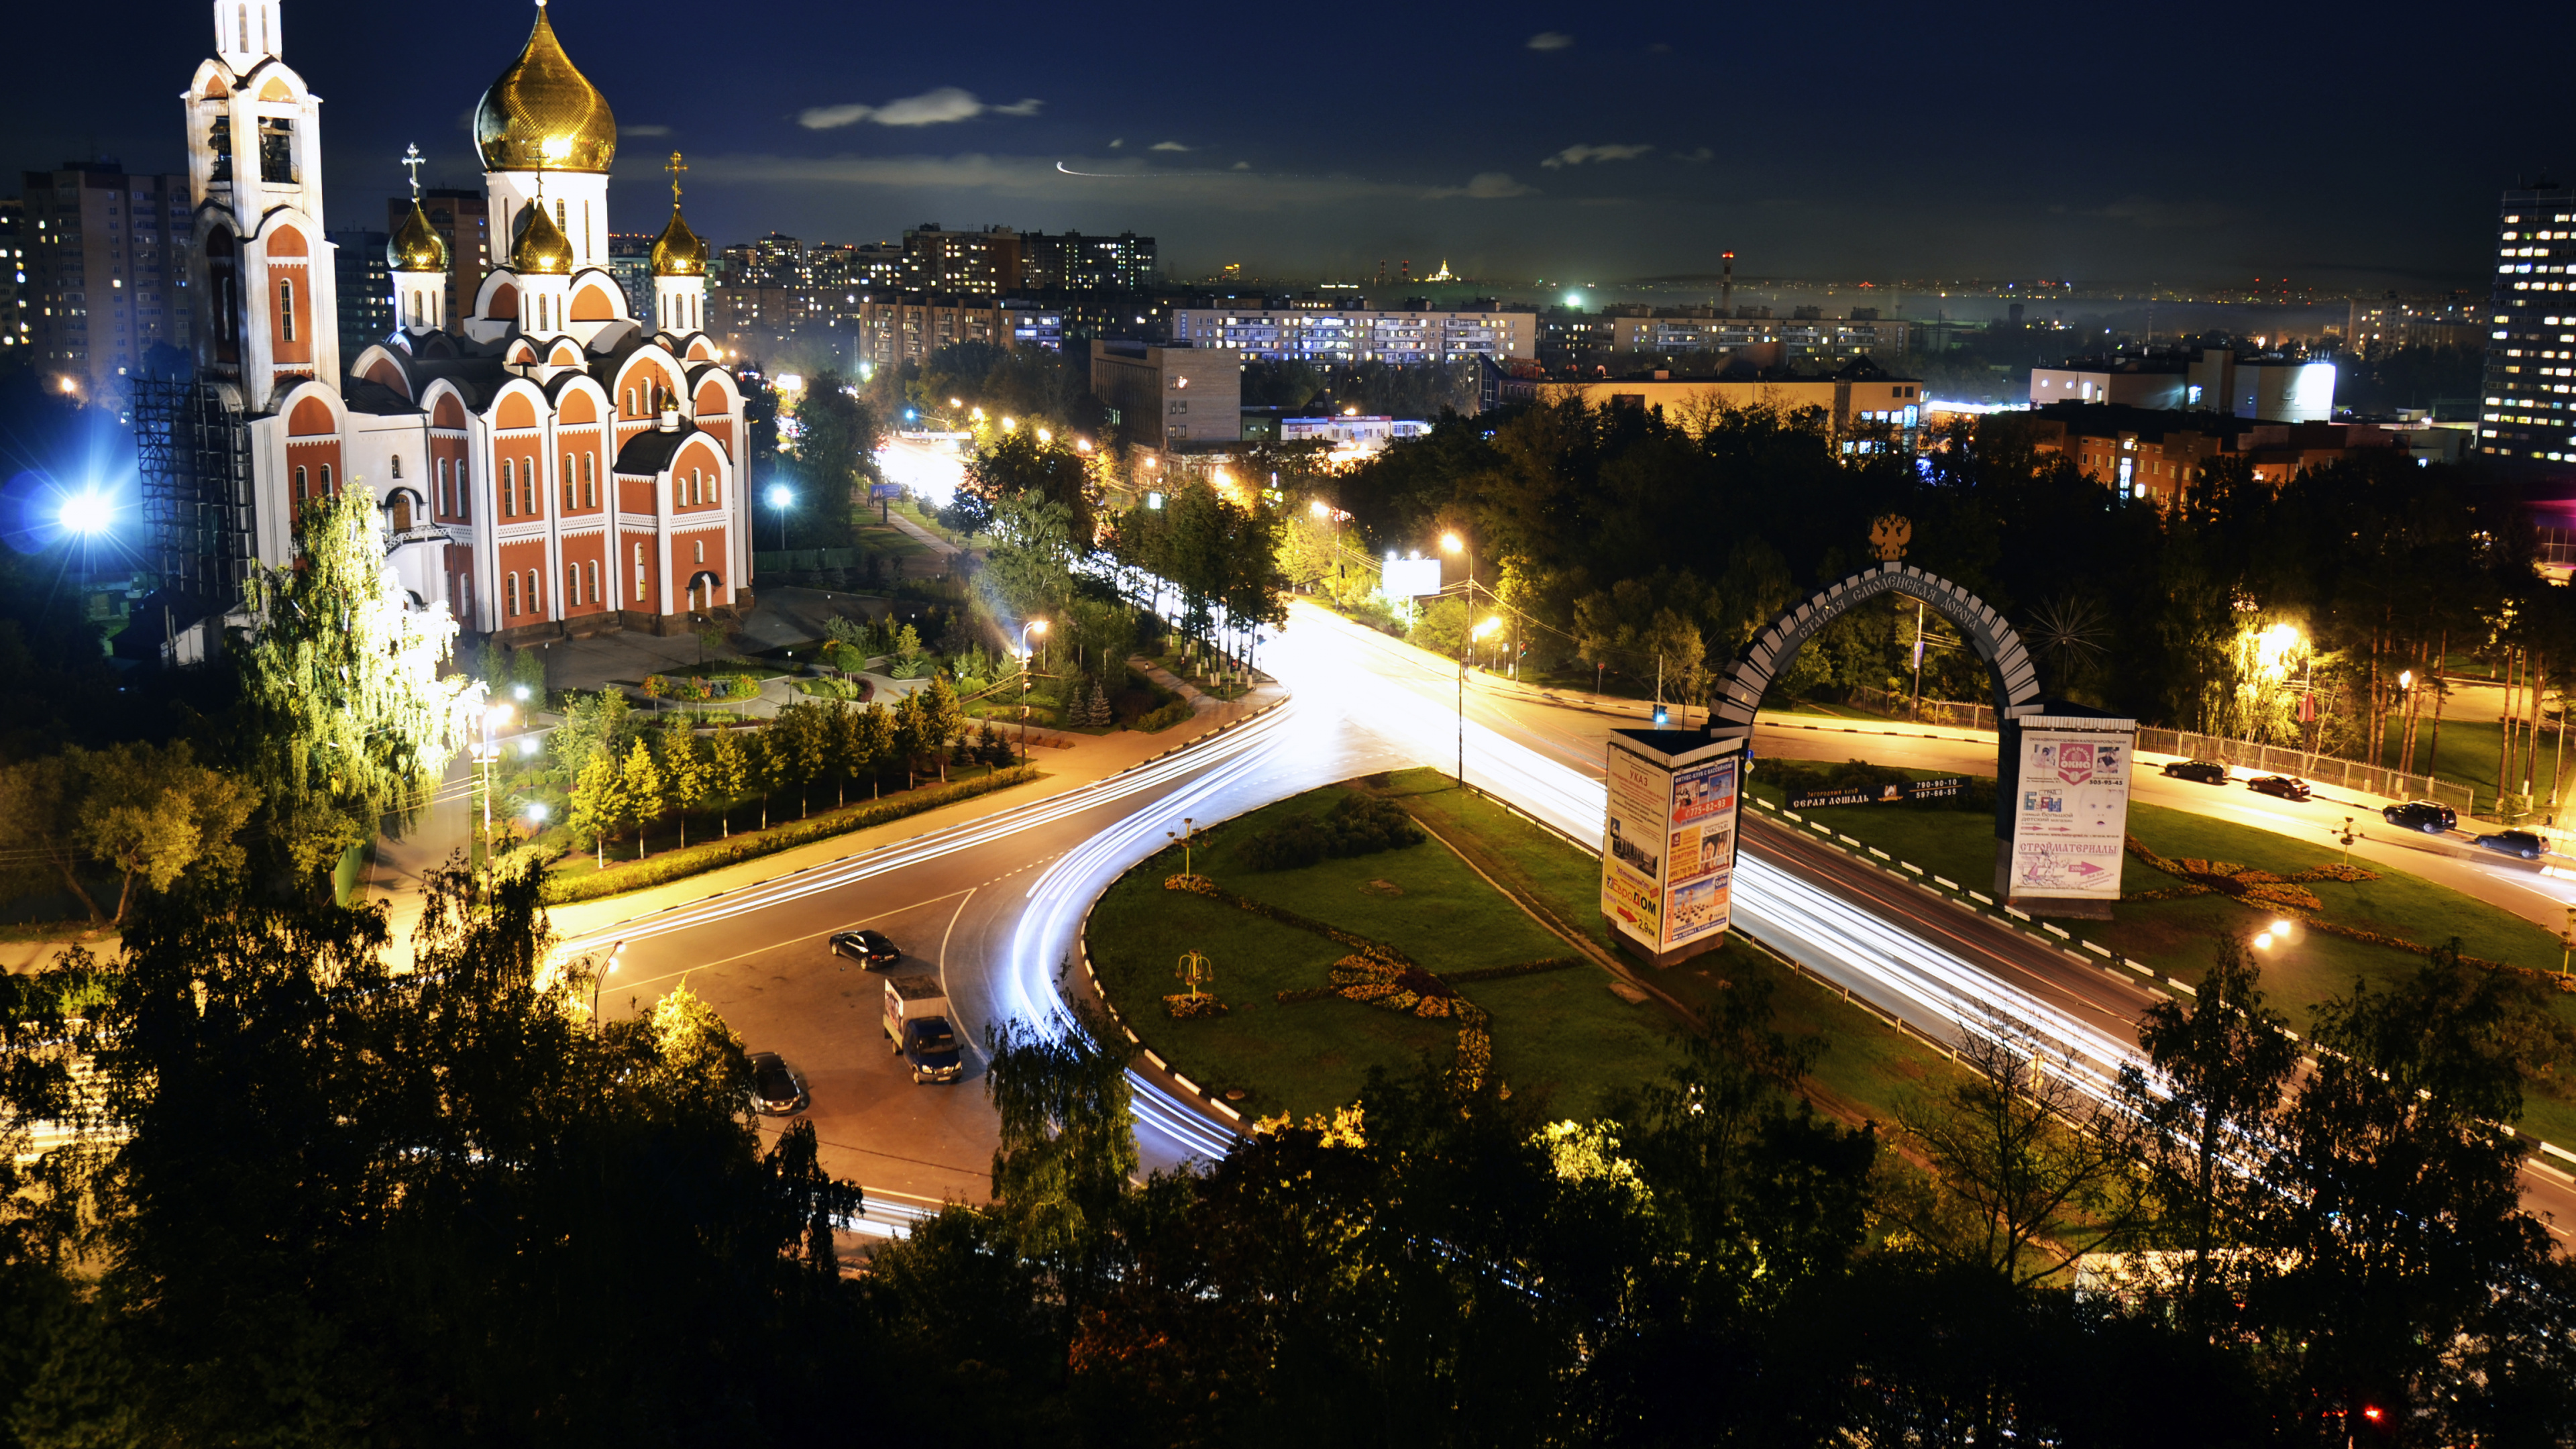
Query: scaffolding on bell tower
[192, 453]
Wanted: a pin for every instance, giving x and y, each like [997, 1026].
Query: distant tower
[1726, 285]
[418, 257]
[679, 268]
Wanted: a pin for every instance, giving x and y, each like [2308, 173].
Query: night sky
[2337, 145]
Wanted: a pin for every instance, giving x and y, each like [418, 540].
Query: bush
[1359, 825]
[845, 656]
[1162, 719]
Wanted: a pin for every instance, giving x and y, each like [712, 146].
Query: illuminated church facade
[544, 462]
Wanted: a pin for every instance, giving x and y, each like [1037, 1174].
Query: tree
[1031, 563]
[1680, 656]
[303, 1164]
[643, 788]
[773, 765]
[2222, 1064]
[1442, 629]
[1018, 467]
[1066, 1146]
[40, 811]
[729, 771]
[599, 802]
[684, 768]
[343, 717]
[912, 738]
[940, 720]
[2027, 1155]
[2408, 1269]
[152, 813]
[877, 742]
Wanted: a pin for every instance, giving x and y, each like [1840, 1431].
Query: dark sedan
[2514, 842]
[2287, 787]
[869, 948]
[2431, 817]
[2207, 772]
[777, 1089]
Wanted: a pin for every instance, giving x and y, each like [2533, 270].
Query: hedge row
[714, 855]
[1524, 968]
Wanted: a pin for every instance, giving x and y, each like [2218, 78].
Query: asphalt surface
[994, 907]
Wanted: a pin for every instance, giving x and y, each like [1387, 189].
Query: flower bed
[1188, 1005]
[700, 687]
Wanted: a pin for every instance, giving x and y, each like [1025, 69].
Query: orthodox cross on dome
[677, 168]
[412, 161]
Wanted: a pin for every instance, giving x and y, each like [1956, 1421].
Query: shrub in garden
[1359, 825]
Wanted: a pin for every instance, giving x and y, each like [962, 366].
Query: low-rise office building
[1166, 396]
[2159, 454]
[1864, 409]
[2269, 388]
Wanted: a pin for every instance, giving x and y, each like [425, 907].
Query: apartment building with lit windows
[1409, 337]
[107, 271]
[2528, 417]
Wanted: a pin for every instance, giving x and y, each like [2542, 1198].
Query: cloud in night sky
[643, 130]
[930, 108]
[1577, 155]
[1169, 146]
[1550, 40]
[1485, 186]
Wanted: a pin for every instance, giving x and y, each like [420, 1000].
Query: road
[1903, 947]
[994, 908]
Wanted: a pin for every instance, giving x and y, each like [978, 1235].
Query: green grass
[1866, 1068]
[2177, 937]
[1563, 1034]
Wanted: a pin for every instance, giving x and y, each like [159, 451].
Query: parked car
[777, 1089]
[2207, 772]
[916, 1022]
[868, 948]
[2514, 842]
[2429, 816]
[2287, 787]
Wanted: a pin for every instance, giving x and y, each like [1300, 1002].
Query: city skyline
[1454, 144]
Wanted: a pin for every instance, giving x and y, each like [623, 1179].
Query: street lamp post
[1479, 632]
[1454, 544]
[606, 970]
[493, 718]
[1039, 627]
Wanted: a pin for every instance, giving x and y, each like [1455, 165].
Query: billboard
[885, 493]
[2071, 809]
[1946, 788]
[1409, 578]
[1699, 861]
[1668, 849]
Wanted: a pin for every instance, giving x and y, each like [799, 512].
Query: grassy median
[1449, 903]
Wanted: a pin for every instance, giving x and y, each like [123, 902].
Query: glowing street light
[1481, 631]
[86, 513]
[779, 498]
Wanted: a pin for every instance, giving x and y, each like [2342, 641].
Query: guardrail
[2308, 765]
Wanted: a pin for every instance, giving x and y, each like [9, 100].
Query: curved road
[993, 906]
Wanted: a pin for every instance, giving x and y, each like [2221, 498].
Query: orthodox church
[544, 462]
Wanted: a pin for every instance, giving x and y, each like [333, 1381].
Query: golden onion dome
[678, 252]
[541, 248]
[543, 114]
[416, 245]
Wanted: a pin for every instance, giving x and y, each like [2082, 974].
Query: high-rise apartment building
[107, 271]
[366, 281]
[463, 220]
[2529, 412]
[1355, 334]
[975, 263]
[16, 349]
[630, 261]
[1072, 262]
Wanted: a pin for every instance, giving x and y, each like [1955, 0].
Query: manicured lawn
[1563, 1034]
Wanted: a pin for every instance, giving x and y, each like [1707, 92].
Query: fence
[2269, 759]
